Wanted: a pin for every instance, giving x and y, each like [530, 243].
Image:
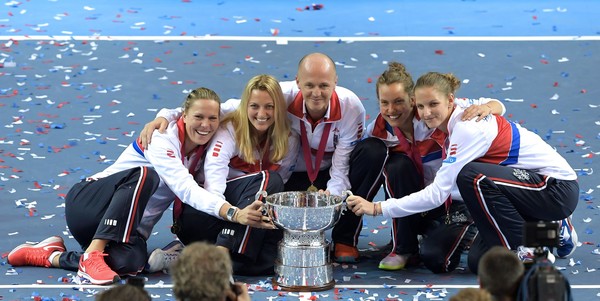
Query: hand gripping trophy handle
[345, 194]
[257, 197]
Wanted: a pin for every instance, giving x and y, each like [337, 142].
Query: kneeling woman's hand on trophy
[360, 206]
[252, 215]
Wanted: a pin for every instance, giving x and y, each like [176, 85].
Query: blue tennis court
[80, 79]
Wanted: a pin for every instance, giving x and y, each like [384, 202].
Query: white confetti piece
[554, 97]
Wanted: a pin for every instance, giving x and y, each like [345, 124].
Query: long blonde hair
[245, 136]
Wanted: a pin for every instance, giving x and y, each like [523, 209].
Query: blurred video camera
[542, 281]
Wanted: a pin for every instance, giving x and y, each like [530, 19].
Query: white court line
[346, 286]
[285, 40]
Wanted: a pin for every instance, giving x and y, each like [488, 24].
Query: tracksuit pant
[111, 208]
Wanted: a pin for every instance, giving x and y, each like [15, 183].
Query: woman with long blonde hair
[254, 150]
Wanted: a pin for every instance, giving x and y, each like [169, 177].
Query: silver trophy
[303, 262]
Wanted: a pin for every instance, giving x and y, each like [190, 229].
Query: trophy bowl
[304, 211]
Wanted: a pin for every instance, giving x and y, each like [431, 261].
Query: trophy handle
[345, 194]
[260, 194]
[264, 210]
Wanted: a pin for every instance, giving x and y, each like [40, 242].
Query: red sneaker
[345, 254]
[36, 254]
[93, 268]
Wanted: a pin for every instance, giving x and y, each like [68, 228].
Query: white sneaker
[568, 239]
[527, 255]
[161, 259]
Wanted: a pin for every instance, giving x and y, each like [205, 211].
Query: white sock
[54, 254]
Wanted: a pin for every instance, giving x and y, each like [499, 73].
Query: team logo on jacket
[520, 174]
[170, 153]
[217, 148]
[451, 155]
[336, 136]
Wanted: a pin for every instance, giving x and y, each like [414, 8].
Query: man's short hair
[201, 272]
[472, 294]
[500, 272]
[123, 292]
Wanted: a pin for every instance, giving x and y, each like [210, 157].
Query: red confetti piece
[440, 52]
[369, 80]
[583, 91]
[555, 84]
[544, 62]
[533, 106]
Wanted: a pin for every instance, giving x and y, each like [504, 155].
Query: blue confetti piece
[57, 126]
[589, 231]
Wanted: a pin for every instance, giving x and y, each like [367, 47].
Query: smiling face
[316, 80]
[434, 107]
[201, 121]
[395, 105]
[260, 110]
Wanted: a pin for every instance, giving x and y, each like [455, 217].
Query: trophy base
[298, 279]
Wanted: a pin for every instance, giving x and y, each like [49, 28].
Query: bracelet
[375, 211]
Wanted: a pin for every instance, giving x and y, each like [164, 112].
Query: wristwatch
[230, 213]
